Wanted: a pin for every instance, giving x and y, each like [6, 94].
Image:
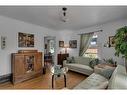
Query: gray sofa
[94, 81]
[97, 81]
[81, 65]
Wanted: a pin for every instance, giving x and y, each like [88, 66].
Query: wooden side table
[61, 57]
[53, 80]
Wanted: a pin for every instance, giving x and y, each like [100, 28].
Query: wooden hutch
[26, 64]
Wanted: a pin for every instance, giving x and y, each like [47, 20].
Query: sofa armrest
[64, 62]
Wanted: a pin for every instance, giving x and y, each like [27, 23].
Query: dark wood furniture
[57, 71]
[48, 58]
[26, 64]
[61, 57]
[65, 79]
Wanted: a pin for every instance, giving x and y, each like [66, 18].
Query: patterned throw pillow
[93, 63]
[70, 60]
[73, 59]
[107, 72]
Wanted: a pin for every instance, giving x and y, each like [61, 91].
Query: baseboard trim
[5, 78]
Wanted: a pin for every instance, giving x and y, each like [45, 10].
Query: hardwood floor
[44, 82]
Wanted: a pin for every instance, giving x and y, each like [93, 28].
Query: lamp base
[65, 50]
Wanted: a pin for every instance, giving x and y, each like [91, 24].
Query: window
[92, 50]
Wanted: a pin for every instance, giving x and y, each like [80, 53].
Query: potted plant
[120, 39]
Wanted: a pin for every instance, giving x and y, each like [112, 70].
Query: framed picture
[25, 40]
[111, 41]
[61, 43]
[73, 43]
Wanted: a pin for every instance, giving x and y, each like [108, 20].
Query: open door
[49, 50]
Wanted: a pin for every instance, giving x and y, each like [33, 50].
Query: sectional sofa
[118, 80]
[95, 80]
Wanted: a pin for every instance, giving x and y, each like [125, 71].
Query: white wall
[63, 35]
[66, 36]
[109, 29]
[10, 28]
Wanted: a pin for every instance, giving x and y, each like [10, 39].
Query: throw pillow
[107, 72]
[72, 59]
[93, 63]
[69, 59]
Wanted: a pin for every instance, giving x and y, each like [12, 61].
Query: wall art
[73, 43]
[61, 43]
[25, 40]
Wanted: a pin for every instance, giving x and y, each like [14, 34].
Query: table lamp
[66, 46]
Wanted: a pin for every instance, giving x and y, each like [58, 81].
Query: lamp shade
[66, 46]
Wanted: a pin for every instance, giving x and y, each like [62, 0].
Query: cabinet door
[30, 60]
[19, 65]
[38, 63]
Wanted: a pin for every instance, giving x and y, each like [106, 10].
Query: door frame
[52, 38]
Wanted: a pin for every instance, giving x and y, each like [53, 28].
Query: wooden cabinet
[20, 63]
[26, 64]
[38, 65]
[61, 57]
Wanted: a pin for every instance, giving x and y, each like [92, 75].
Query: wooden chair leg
[52, 81]
[65, 81]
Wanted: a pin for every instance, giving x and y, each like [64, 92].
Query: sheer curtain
[84, 42]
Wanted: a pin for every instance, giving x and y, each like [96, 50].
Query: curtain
[84, 42]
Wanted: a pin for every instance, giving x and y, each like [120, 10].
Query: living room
[67, 24]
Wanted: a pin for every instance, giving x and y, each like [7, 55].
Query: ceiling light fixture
[64, 14]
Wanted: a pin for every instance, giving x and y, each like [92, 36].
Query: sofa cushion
[102, 85]
[76, 59]
[94, 81]
[107, 72]
[80, 68]
[83, 60]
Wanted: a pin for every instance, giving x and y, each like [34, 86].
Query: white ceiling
[79, 17]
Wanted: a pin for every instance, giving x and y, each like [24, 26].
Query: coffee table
[57, 71]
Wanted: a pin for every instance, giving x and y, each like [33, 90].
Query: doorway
[49, 50]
